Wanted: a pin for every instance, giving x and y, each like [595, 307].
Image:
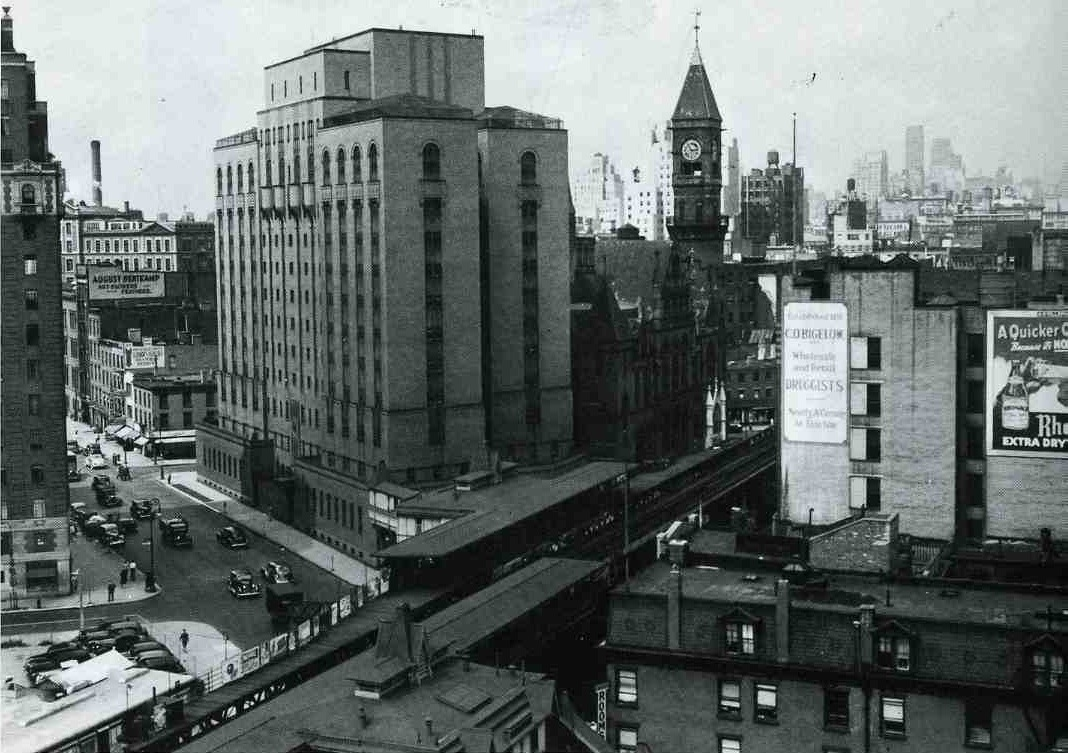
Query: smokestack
[7, 32]
[98, 196]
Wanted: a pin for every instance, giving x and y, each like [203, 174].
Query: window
[628, 739]
[346, 83]
[865, 399]
[739, 638]
[431, 162]
[974, 397]
[33, 405]
[893, 653]
[528, 169]
[626, 686]
[340, 165]
[37, 476]
[372, 163]
[975, 350]
[864, 444]
[31, 298]
[836, 707]
[766, 703]
[730, 745]
[978, 717]
[865, 352]
[29, 194]
[730, 698]
[29, 264]
[32, 369]
[1047, 668]
[892, 716]
[865, 492]
[357, 167]
[33, 334]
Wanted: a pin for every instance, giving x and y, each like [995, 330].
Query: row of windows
[338, 510]
[978, 715]
[161, 246]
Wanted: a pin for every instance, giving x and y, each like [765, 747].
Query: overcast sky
[158, 82]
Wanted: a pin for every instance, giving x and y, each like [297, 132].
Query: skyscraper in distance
[914, 158]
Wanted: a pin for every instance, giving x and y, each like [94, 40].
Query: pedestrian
[169, 479]
[184, 640]
[111, 591]
[132, 567]
[123, 573]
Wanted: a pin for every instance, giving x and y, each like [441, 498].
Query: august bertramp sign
[1027, 383]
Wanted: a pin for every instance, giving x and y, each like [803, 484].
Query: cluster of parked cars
[126, 636]
[109, 529]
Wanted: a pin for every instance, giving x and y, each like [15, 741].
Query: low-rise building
[167, 408]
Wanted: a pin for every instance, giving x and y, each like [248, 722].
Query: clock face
[691, 150]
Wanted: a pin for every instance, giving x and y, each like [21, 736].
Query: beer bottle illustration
[1015, 415]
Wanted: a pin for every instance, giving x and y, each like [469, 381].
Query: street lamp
[150, 576]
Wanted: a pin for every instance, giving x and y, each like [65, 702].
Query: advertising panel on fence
[333, 613]
[109, 283]
[304, 632]
[345, 606]
[146, 356]
[815, 372]
[1027, 383]
[250, 660]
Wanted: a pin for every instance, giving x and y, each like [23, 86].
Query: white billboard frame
[815, 378]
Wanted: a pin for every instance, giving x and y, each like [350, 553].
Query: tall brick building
[728, 659]
[392, 278]
[918, 405]
[33, 514]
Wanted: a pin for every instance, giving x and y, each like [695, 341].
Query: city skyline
[158, 133]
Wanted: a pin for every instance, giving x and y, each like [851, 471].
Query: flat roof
[31, 724]
[983, 606]
[498, 507]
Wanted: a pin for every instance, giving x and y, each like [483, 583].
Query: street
[194, 580]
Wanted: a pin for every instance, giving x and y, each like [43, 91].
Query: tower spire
[696, 59]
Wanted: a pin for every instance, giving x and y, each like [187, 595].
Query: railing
[245, 137]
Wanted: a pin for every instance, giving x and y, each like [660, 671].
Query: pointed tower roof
[696, 101]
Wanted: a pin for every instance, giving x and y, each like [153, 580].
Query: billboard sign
[146, 356]
[1027, 383]
[111, 283]
[815, 372]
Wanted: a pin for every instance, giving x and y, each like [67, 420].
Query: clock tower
[695, 222]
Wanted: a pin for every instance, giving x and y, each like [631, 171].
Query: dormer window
[893, 653]
[1047, 667]
[739, 633]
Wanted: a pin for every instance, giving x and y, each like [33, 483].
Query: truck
[174, 531]
[281, 600]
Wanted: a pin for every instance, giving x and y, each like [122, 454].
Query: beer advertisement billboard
[110, 283]
[815, 372]
[1027, 383]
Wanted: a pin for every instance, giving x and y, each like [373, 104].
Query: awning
[110, 429]
[175, 440]
[141, 441]
[126, 432]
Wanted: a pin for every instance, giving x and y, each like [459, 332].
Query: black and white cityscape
[471, 377]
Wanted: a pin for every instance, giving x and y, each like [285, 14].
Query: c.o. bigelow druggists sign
[114, 283]
[815, 372]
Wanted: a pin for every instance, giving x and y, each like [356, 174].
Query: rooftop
[406, 106]
[510, 117]
[934, 601]
[495, 508]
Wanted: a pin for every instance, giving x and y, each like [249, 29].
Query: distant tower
[697, 167]
[914, 158]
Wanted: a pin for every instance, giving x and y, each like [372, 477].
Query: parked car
[100, 646]
[92, 525]
[109, 499]
[125, 626]
[54, 658]
[277, 572]
[124, 472]
[143, 509]
[102, 481]
[88, 637]
[73, 475]
[124, 640]
[175, 531]
[78, 512]
[144, 646]
[96, 463]
[125, 524]
[232, 537]
[241, 584]
[72, 445]
[162, 660]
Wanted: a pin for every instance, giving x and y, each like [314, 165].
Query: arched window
[251, 181]
[528, 169]
[281, 170]
[340, 165]
[296, 167]
[431, 162]
[372, 163]
[229, 179]
[240, 179]
[326, 168]
[267, 174]
[357, 166]
[218, 181]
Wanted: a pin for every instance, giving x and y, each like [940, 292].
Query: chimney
[782, 622]
[7, 31]
[126, 206]
[364, 721]
[430, 730]
[98, 196]
[677, 551]
[674, 607]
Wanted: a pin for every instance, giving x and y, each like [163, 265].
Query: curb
[95, 604]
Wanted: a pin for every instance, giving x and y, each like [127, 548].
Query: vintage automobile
[277, 572]
[242, 585]
[143, 509]
[232, 537]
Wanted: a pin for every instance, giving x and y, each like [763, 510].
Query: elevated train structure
[500, 583]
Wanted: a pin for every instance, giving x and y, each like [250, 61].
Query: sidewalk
[84, 434]
[349, 569]
[94, 597]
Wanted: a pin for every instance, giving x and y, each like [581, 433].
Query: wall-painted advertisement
[108, 283]
[1027, 383]
[146, 356]
[815, 372]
